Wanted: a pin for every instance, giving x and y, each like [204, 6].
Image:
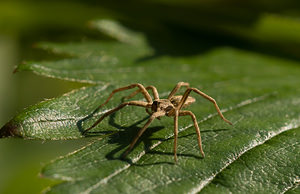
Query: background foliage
[242, 54]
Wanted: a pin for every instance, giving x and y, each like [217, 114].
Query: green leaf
[259, 94]
[274, 171]
[96, 168]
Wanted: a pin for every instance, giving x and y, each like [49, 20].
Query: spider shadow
[155, 152]
[123, 137]
[111, 122]
[79, 125]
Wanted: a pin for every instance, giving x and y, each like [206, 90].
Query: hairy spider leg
[141, 131]
[176, 88]
[175, 134]
[154, 91]
[188, 91]
[186, 113]
[140, 86]
[131, 103]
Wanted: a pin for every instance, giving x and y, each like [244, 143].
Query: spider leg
[185, 113]
[154, 91]
[140, 86]
[141, 131]
[177, 87]
[189, 90]
[132, 103]
[175, 134]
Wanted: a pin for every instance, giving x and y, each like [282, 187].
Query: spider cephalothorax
[164, 105]
[170, 107]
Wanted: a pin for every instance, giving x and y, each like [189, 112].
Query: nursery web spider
[170, 107]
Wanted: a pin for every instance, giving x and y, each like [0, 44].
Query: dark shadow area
[154, 152]
[111, 122]
[80, 122]
[186, 30]
[201, 41]
[123, 137]
[182, 29]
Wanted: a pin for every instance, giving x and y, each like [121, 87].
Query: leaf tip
[22, 67]
[9, 130]
[15, 69]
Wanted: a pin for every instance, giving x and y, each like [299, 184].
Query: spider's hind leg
[141, 131]
[175, 134]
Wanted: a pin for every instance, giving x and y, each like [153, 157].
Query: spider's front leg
[176, 88]
[131, 103]
[140, 86]
[154, 91]
[141, 131]
[136, 103]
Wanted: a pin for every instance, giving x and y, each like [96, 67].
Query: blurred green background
[176, 28]
[22, 24]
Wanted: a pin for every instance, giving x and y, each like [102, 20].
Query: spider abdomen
[176, 99]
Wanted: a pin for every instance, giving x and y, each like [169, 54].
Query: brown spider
[161, 107]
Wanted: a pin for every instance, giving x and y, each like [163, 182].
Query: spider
[170, 107]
